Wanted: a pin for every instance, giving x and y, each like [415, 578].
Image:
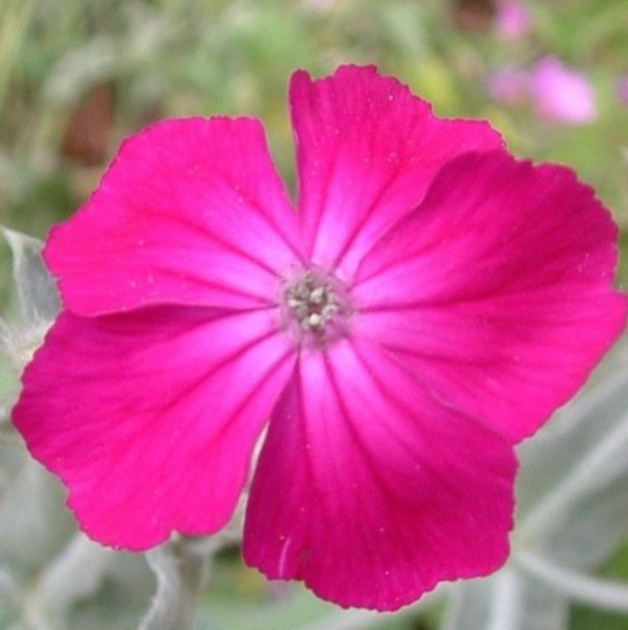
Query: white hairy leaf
[36, 290]
[59, 589]
[507, 600]
[574, 476]
[572, 514]
[34, 523]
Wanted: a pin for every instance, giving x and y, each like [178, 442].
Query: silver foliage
[505, 600]
[50, 575]
[38, 297]
[572, 514]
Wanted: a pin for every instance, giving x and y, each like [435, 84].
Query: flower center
[316, 307]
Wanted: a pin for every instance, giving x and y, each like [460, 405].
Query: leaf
[9, 599]
[75, 574]
[573, 487]
[34, 523]
[505, 601]
[121, 599]
[572, 513]
[37, 293]
[600, 592]
[5, 405]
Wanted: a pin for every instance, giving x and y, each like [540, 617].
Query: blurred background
[77, 76]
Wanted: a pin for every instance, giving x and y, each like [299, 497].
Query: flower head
[622, 89]
[427, 305]
[508, 85]
[560, 94]
[512, 20]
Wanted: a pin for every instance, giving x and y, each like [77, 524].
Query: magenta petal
[150, 417]
[190, 212]
[370, 490]
[498, 289]
[367, 150]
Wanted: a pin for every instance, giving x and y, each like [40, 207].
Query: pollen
[315, 305]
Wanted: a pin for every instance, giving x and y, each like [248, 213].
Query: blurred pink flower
[512, 20]
[429, 304]
[622, 89]
[560, 94]
[508, 85]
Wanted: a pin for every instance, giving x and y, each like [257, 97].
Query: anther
[316, 303]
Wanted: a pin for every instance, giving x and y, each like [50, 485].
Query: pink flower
[560, 94]
[508, 85]
[622, 89]
[429, 304]
[512, 20]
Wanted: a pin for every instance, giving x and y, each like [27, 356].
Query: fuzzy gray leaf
[37, 293]
[34, 524]
[9, 599]
[59, 588]
[505, 601]
[573, 487]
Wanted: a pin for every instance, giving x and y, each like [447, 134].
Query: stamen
[316, 306]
